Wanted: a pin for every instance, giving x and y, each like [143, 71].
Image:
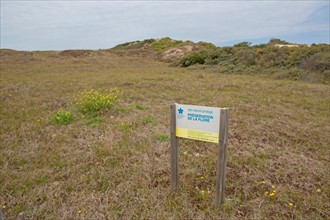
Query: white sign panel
[198, 122]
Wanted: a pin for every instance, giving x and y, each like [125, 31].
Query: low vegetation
[160, 44]
[276, 58]
[308, 63]
[115, 164]
[63, 117]
[94, 101]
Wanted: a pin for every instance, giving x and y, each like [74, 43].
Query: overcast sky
[58, 25]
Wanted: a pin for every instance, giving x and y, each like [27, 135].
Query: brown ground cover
[116, 166]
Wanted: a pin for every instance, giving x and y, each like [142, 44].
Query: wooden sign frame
[222, 154]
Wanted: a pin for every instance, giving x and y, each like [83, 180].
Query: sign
[197, 122]
[204, 124]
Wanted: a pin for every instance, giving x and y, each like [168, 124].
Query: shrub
[317, 62]
[243, 44]
[246, 57]
[192, 59]
[63, 117]
[206, 44]
[165, 43]
[292, 73]
[134, 44]
[308, 63]
[93, 101]
[277, 41]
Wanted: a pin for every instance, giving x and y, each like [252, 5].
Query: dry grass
[118, 167]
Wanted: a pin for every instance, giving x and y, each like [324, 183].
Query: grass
[279, 134]
[163, 137]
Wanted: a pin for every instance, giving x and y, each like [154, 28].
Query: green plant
[192, 59]
[134, 44]
[93, 101]
[148, 120]
[243, 44]
[126, 127]
[165, 43]
[63, 117]
[140, 106]
[93, 119]
[163, 137]
[174, 205]
[121, 109]
[277, 41]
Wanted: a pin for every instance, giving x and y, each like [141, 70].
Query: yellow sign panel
[197, 135]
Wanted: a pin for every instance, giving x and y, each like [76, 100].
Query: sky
[82, 24]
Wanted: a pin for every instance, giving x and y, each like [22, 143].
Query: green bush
[192, 59]
[206, 44]
[63, 117]
[243, 44]
[292, 73]
[277, 41]
[134, 44]
[246, 57]
[165, 43]
[317, 62]
[309, 63]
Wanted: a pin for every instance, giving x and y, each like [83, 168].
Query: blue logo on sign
[180, 113]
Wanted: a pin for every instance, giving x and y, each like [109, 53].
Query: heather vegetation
[73, 147]
[161, 44]
[278, 59]
[309, 63]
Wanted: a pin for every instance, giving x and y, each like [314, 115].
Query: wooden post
[222, 156]
[174, 151]
[21, 216]
[1, 215]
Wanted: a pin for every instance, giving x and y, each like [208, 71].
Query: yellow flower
[262, 182]
[290, 204]
[272, 194]
[202, 177]
[79, 211]
[202, 191]
[274, 191]
[273, 186]
[4, 207]
[266, 193]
